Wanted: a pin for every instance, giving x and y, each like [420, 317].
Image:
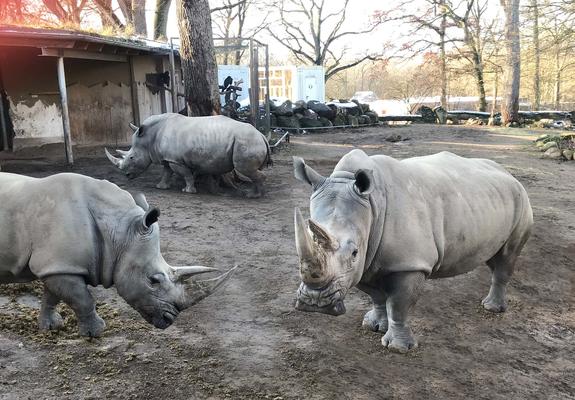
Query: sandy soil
[247, 342]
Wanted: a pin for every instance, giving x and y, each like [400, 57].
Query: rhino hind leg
[188, 175]
[49, 318]
[403, 289]
[501, 266]
[257, 178]
[72, 290]
[165, 180]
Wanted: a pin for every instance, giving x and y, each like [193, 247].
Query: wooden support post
[173, 81]
[254, 84]
[4, 127]
[65, 112]
[134, 89]
[267, 98]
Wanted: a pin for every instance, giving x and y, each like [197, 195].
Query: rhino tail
[268, 162]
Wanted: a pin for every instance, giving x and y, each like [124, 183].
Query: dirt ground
[247, 341]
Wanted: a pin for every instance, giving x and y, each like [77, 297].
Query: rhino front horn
[115, 160]
[199, 290]
[303, 239]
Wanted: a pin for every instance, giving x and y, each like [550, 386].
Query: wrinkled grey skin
[193, 146]
[385, 226]
[71, 231]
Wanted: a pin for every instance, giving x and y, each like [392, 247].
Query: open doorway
[6, 126]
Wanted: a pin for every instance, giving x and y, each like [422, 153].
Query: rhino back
[207, 144]
[51, 224]
[444, 214]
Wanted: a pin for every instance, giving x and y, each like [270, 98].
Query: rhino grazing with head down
[385, 226]
[71, 231]
[193, 146]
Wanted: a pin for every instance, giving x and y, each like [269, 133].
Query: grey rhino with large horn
[193, 146]
[386, 226]
[71, 231]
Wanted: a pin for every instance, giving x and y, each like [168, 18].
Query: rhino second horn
[115, 160]
[182, 273]
[123, 153]
[323, 237]
[199, 290]
[133, 127]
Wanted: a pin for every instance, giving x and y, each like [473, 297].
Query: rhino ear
[364, 181]
[141, 201]
[306, 174]
[150, 217]
[140, 131]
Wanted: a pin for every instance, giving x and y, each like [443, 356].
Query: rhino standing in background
[192, 146]
[385, 226]
[71, 231]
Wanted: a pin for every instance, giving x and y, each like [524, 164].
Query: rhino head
[136, 160]
[158, 291]
[332, 244]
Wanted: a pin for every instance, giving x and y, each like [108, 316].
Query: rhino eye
[157, 278]
[354, 253]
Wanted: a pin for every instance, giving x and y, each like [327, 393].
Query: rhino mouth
[325, 300]
[161, 319]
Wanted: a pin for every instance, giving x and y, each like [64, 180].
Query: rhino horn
[115, 160]
[198, 290]
[182, 273]
[123, 153]
[322, 236]
[134, 127]
[303, 239]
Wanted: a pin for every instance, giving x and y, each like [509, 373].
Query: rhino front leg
[188, 176]
[403, 289]
[166, 175]
[49, 318]
[72, 290]
[376, 319]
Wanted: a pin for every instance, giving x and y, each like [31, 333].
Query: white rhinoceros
[386, 226]
[193, 146]
[71, 231]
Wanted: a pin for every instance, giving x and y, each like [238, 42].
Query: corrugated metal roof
[47, 37]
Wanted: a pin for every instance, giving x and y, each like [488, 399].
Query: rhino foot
[163, 185]
[492, 304]
[92, 326]
[189, 189]
[400, 340]
[51, 321]
[375, 320]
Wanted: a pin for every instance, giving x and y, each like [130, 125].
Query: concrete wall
[99, 96]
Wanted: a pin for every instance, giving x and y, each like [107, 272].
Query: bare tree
[198, 60]
[67, 11]
[107, 14]
[310, 29]
[512, 68]
[536, 55]
[139, 17]
[475, 36]
[431, 16]
[161, 18]
[230, 22]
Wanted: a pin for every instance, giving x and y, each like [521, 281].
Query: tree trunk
[510, 106]
[161, 19]
[442, 55]
[536, 57]
[557, 97]
[198, 59]
[478, 72]
[126, 8]
[139, 15]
